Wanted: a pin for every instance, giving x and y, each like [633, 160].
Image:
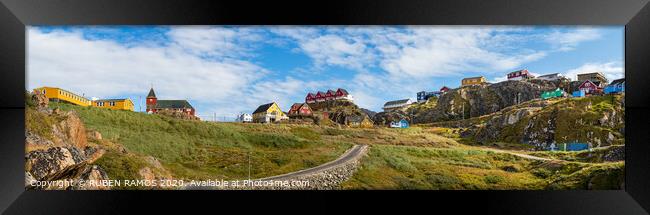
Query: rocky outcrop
[473, 101]
[596, 120]
[62, 159]
[338, 111]
[39, 101]
[385, 118]
[177, 115]
[614, 153]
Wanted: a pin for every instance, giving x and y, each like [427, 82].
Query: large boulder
[42, 163]
[385, 118]
[40, 101]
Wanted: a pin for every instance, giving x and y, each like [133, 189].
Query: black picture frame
[634, 14]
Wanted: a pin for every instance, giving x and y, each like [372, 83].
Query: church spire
[151, 94]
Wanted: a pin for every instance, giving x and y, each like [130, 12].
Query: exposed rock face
[62, 160]
[370, 113]
[615, 153]
[385, 118]
[42, 163]
[338, 111]
[70, 130]
[40, 101]
[594, 120]
[473, 101]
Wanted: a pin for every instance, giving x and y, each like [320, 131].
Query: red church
[154, 105]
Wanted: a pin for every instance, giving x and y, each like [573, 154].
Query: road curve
[350, 155]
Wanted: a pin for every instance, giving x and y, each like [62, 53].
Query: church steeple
[151, 101]
[151, 94]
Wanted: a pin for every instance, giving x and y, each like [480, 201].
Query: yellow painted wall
[258, 117]
[125, 104]
[64, 95]
[473, 81]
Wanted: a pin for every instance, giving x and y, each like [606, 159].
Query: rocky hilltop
[599, 120]
[338, 111]
[472, 101]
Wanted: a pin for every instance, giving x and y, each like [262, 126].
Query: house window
[111, 103]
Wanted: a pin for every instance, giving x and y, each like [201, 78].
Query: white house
[551, 77]
[397, 104]
[245, 117]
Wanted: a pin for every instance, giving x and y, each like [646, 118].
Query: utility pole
[249, 165]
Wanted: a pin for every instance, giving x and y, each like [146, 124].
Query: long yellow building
[473, 81]
[59, 95]
[114, 104]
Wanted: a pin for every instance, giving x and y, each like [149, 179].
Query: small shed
[553, 94]
[578, 93]
[400, 124]
[573, 146]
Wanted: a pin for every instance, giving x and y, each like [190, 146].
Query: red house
[520, 75]
[311, 98]
[444, 89]
[341, 93]
[330, 95]
[300, 109]
[588, 87]
[320, 96]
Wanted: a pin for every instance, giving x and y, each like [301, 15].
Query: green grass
[205, 150]
[406, 167]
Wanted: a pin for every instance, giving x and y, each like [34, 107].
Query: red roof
[588, 84]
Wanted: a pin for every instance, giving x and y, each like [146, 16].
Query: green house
[553, 94]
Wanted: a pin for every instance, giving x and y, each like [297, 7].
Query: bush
[493, 179]
[305, 133]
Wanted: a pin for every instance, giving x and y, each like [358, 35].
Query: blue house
[617, 86]
[578, 93]
[569, 146]
[400, 124]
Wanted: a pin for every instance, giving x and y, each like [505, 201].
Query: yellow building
[269, 113]
[359, 122]
[61, 95]
[473, 81]
[114, 104]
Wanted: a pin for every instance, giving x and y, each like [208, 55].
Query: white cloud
[569, 40]
[612, 70]
[105, 69]
[214, 41]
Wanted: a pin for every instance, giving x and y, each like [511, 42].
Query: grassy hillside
[407, 167]
[412, 158]
[205, 150]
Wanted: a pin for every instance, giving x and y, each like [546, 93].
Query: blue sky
[225, 70]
